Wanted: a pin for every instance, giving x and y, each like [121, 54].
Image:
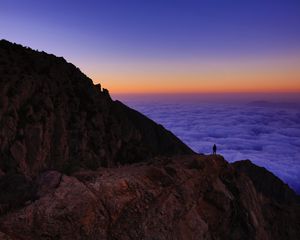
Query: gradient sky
[166, 46]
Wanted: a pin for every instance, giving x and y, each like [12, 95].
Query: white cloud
[267, 135]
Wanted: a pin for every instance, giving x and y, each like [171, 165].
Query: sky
[166, 46]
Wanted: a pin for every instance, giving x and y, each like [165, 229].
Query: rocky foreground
[187, 197]
[74, 164]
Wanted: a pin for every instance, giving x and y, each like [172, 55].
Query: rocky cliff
[75, 164]
[53, 116]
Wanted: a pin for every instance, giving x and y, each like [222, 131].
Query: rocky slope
[267, 183]
[53, 116]
[75, 164]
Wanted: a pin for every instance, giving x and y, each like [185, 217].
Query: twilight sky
[166, 46]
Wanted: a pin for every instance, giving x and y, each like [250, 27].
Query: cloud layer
[268, 134]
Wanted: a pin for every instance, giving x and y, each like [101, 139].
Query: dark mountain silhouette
[74, 164]
[262, 103]
[53, 116]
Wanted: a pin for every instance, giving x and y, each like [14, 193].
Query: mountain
[74, 164]
[261, 103]
[53, 116]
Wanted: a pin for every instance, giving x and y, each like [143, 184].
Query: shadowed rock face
[65, 172]
[267, 183]
[52, 116]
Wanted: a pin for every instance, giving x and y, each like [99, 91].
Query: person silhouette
[214, 149]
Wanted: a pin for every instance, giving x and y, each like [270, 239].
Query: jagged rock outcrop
[74, 164]
[53, 116]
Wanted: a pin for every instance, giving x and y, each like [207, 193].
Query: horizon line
[204, 93]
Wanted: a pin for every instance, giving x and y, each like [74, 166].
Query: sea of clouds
[266, 133]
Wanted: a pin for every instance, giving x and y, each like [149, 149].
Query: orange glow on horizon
[279, 74]
[218, 82]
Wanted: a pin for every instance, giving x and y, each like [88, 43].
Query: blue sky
[139, 27]
[90, 33]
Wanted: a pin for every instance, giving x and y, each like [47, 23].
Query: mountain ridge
[70, 121]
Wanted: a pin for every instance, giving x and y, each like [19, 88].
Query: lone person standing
[214, 149]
